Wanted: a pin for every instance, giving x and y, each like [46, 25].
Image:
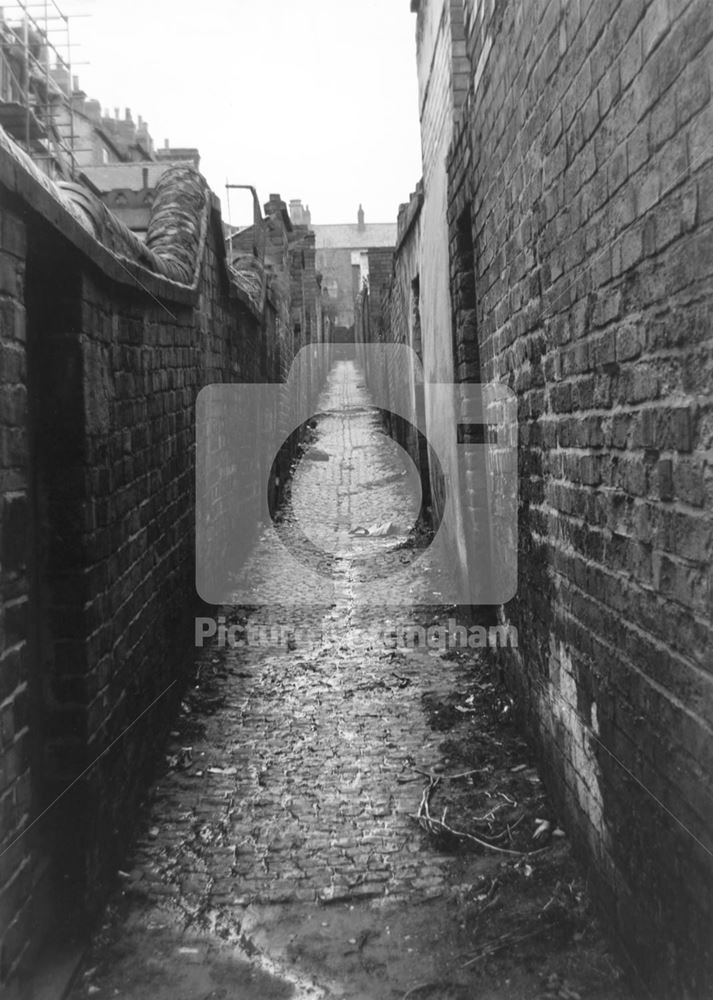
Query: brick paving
[301, 786]
[280, 840]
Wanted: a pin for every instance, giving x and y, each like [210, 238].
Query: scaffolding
[36, 84]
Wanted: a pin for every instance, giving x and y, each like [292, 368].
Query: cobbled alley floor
[336, 818]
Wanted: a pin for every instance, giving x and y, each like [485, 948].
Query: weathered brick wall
[22, 861]
[97, 517]
[581, 186]
[304, 284]
[440, 60]
[381, 266]
[388, 312]
[335, 266]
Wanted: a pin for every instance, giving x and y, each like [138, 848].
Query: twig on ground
[476, 840]
[440, 826]
[415, 989]
[496, 946]
[451, 777]
[433, 826]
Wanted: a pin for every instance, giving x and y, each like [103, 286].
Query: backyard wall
[105, 345]
[580, 208]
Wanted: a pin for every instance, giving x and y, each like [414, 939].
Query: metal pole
[257, 221]
[72, 170]
[26, 47]
[49, 117]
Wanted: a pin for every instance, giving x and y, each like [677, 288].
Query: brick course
[17, 863]
[580, 267]
[105, 345]
[580, 157]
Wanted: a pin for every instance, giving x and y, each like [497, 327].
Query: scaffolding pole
[59, 91]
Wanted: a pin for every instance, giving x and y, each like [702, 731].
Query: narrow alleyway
[281, 853]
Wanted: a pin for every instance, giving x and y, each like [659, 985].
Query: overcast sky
[314, 99]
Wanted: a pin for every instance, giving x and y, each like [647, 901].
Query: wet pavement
[281, 853]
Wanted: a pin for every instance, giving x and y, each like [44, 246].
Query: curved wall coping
[168, 266]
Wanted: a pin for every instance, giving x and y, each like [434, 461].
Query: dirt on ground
[515, 920]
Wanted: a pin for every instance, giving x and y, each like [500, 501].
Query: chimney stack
[297, 212]
[360, 220]
[275, 206]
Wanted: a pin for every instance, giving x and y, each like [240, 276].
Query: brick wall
[303, 286]
[388, 312]
[22, 862]
[105, 345]
[440, 42]
[381, 266]
[335, 266]
[580, 208]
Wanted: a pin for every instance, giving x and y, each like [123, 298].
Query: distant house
[341, 259]
[67, 134]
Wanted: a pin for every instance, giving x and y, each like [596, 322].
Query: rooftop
[353, 237]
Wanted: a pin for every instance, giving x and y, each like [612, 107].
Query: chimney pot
[75, 79]
[116, 113]
[127, 114]
[165, 144]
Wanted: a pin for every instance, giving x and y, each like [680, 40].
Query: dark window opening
[416, 342]
[466, 359]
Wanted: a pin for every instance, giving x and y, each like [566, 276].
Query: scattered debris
[439, 826]
[377, 530]
[452, 777]
[543, 827]
[507, 940]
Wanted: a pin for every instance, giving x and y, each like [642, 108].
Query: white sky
[314, 99]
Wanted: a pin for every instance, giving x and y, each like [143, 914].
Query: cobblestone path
[297, 785]
[284, 824]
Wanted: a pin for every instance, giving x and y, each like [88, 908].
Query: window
[466, 360]
[415, 317]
